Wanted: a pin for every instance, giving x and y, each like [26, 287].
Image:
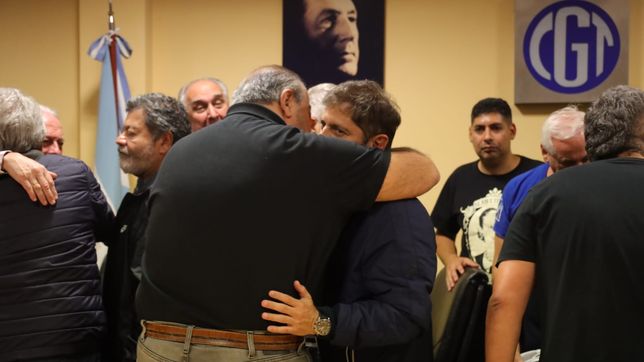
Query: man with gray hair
[248, 205]
[577, 237]
[54, 141]
[153, 124]
[562, 145]
[51, 299]
[205, 100]
[316, 95]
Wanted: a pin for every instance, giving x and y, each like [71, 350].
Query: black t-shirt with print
[468, 202]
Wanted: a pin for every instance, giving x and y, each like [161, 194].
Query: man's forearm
[502, 330]
[511, 290]
[410, 174]
[445, 248]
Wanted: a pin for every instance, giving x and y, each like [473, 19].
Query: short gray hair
[184, 89]
[265, 85]
[316, 95]
[562, 124]
[615, 123]
[162, 114]
[21, 122]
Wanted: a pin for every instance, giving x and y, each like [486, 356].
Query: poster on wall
[334, 40]
[569, 51]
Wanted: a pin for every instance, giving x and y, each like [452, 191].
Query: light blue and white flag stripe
[113, 96]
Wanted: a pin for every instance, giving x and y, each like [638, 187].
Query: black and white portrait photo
[334, 40]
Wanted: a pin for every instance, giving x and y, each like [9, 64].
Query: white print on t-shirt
[478, 228]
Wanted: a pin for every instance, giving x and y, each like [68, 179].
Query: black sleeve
[443, 216]
[520, 241]
[347, 172]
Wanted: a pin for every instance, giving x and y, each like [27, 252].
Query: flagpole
[114, 93]
[113, 60]
[110, 15]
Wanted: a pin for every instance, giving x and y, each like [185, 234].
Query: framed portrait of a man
[334, 40]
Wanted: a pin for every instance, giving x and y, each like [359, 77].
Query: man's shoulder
[464, 170]
[526, 164]
[398, 212]
[528, 178]
[62, 162]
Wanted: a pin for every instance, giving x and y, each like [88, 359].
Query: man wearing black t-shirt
[250, 204]
[471, 194]
[578, 236]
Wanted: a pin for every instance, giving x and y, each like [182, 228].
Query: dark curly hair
[613, 123]
[162, 114]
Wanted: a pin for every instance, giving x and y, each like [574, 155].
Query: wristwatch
[322, 325]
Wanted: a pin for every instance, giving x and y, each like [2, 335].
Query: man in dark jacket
[382, 272]
[50, 296]
[153, 124]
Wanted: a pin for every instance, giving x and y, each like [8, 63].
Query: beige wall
[441, 57]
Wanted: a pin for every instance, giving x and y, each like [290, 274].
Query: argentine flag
[113, 97]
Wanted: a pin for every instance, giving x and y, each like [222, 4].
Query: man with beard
[471, 194]
[153, 124]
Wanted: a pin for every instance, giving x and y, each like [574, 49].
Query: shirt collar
[144, 185]
[255, 110]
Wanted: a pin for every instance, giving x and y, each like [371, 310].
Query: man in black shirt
[153, 124]
[472, 192]
[578, 235]
[250, 204]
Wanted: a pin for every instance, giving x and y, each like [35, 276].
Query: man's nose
[55, 147]
[213, 116]
[324, 131]
[487, 134]
[120, 139]
[344, 29]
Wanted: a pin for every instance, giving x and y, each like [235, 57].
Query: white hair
[562, 124]
[316, 95]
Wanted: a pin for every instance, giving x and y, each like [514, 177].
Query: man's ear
[513, 129]
[165, 142]
[380, 141]
[544, 154]
[288, 103]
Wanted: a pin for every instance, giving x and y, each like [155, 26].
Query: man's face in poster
[332, 26]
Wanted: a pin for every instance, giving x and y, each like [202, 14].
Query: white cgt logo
[571, 46]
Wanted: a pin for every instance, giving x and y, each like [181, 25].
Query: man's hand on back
[32, 176]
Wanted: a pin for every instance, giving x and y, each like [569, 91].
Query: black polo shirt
[244, 206]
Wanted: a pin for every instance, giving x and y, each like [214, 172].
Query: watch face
[322, 325]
